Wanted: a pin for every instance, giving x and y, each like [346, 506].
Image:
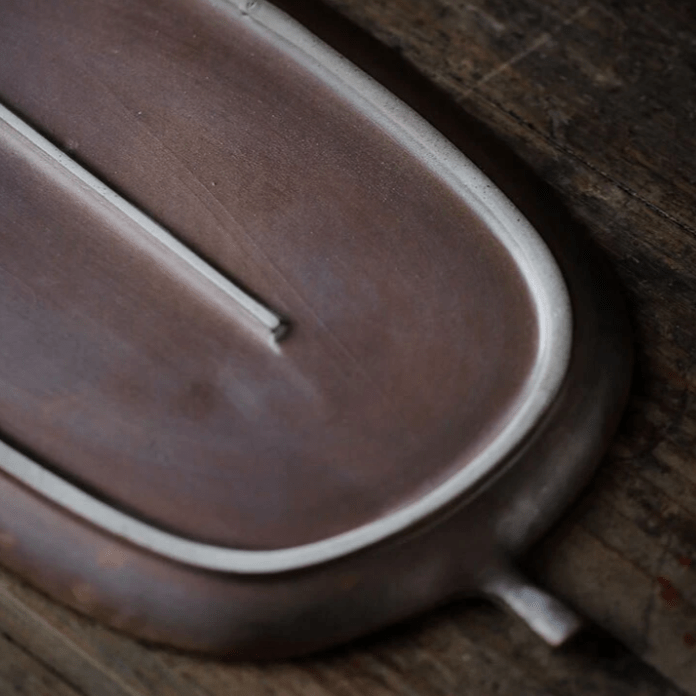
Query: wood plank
[23, 674]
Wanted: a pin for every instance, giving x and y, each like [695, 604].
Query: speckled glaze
[413, 337]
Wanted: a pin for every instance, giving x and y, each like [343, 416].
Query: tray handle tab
[547, 616]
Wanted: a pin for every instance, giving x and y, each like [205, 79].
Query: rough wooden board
[21, 673]
[598, 98]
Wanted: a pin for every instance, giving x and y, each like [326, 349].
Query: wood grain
[599, 99]
[23, 673]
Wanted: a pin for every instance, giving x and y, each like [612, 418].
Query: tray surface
[413, 332]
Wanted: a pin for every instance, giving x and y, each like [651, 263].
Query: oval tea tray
[279, 364]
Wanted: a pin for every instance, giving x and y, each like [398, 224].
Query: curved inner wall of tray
[413, 331]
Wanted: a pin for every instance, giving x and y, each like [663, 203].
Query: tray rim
[533, 258]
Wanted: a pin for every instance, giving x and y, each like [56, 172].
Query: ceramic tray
[279, 364]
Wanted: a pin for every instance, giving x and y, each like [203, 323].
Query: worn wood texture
[599, 99]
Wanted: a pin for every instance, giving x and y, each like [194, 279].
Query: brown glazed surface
[412, 330]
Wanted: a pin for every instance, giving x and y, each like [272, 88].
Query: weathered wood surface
[599, 98]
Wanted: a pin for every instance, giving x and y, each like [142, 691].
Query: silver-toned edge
[267, 319]
[535, 261]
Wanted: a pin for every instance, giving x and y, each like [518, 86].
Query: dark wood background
[599, 99]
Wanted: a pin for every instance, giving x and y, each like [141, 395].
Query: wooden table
[599, 99]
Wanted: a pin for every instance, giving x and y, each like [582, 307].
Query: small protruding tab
[544, 614]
